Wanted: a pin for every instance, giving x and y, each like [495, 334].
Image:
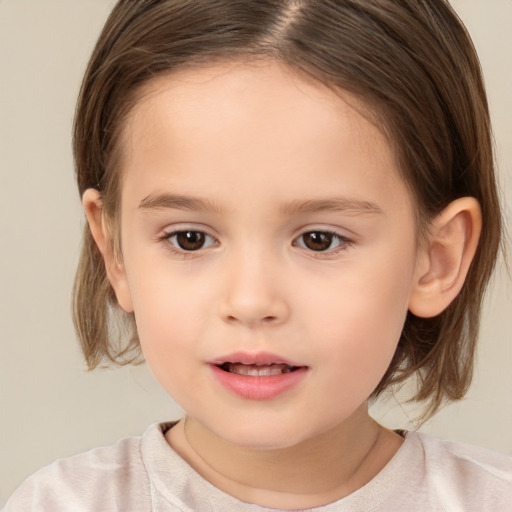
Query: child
[291, 208]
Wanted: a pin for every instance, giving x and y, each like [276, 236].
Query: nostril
[255, 311]
[267, 319]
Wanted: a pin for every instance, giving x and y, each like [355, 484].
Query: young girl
[291, 208]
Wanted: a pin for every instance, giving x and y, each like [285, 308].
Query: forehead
[253, 93]
[234, 121]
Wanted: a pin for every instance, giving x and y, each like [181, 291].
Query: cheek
[165, 327]
[360, 319]
[169, 307]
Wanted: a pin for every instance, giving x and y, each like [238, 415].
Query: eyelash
[343, 242]
[167, 239]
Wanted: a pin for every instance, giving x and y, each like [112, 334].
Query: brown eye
[320, 241]
[190, 240]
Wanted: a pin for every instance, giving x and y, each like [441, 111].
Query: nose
[253, 292]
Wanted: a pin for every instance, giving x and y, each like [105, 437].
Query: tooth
[257, 370]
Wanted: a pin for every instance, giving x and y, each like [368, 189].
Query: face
[269, 250]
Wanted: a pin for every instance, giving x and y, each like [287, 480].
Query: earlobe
[445, 258]
[93, 208]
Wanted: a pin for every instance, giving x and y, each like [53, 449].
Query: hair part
[411, 62]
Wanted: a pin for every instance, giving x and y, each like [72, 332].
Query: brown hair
[411, 61]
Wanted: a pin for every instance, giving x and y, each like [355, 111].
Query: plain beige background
[50, 407]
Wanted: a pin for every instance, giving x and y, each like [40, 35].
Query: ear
[93, 208]
[444, 260]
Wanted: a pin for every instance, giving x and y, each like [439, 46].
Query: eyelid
[167, 233]
[206, 235]
[179, 227]
[345, 242]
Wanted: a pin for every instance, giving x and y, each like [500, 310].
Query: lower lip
[258, 388]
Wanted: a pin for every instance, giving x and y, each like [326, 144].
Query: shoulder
[106, 478]
[472, 477]
[473, 459]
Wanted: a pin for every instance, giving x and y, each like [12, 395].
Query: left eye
[320, 241]
[189, 240]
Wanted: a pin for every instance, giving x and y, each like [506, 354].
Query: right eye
[189, 240]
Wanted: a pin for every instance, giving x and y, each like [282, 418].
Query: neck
[315, 472]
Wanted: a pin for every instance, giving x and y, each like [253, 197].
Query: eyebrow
[177, 202]
[336, 205]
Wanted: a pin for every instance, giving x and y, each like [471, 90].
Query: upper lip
[253, 358]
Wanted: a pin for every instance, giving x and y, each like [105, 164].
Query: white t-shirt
[144, 473]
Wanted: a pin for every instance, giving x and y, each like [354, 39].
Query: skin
[258, 144]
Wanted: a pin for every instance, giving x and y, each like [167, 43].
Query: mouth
[257, 376]
[257, 369]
